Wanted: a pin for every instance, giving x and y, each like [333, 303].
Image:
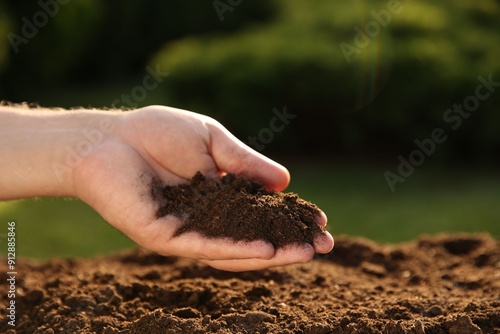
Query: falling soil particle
[365, 287]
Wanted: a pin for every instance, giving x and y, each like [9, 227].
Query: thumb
[233, 156]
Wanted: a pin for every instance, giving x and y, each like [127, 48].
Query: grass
[358, 201]
[355, 197]
[60, 227]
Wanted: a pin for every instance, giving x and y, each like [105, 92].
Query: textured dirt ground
[446, 284]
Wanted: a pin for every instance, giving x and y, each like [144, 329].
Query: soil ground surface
[444, 284]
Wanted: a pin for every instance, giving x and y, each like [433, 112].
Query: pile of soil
[443, 284]
[238, 208]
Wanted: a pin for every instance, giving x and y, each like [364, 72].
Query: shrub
[396, 88]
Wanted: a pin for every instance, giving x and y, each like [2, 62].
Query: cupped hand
[172, 145]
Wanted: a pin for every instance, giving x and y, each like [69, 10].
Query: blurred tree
[361, 78]
[4, 43]
[89, 40]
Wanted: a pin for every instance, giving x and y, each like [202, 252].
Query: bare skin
[102, 158]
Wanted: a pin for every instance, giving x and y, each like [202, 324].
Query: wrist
[86, 132]
[43, 148]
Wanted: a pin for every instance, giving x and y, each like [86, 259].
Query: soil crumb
[240, 209]
[421, 287]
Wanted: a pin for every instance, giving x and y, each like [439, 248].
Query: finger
[323, 243]
[321, 219]
[233, 156]
[284, 256]
[194, 245]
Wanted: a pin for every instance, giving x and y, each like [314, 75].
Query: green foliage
[51, 50]
[427, 58]
[432, 200]
[4, 43]
[101, 40]
[267, 54]
[60, 228]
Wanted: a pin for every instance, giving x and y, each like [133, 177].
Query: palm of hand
[172, 145]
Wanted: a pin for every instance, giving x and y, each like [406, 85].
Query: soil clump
[240, 209]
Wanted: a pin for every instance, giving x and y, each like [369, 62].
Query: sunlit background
[362, 81]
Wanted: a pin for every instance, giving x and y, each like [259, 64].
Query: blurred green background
[365, 79]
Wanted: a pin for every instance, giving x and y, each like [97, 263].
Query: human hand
[114, 173]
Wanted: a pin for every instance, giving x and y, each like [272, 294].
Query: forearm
[40, 149]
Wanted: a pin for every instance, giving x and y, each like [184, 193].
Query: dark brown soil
[240, 209]
[445, 284]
